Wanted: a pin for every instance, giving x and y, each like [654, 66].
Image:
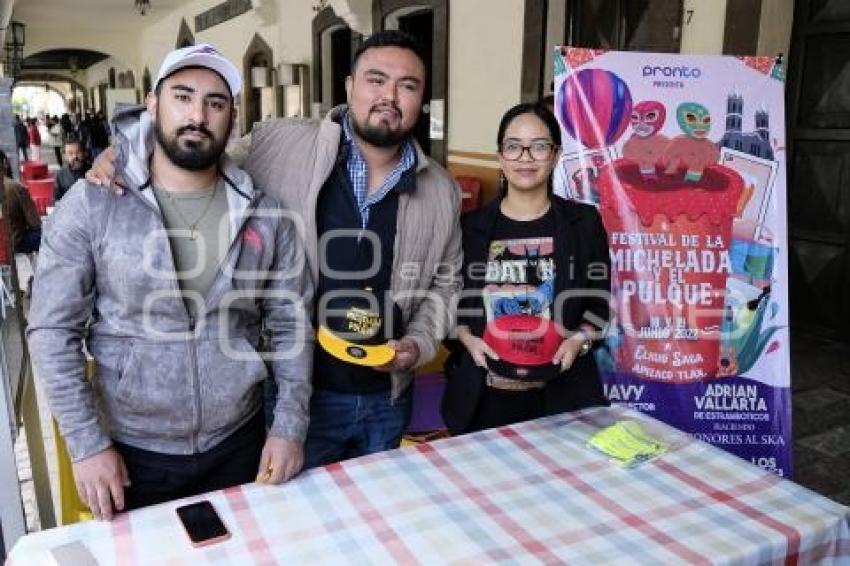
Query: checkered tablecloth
[532, 493]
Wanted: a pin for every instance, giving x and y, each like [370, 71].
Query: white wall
[485, 64]
[702, 31]
[231, 38]
[777, 17]
[295, 32]
[285, 25]
[485, 59]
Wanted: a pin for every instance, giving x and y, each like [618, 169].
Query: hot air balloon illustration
[595, 108]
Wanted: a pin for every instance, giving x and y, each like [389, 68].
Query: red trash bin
[33, 170]
[41, 191]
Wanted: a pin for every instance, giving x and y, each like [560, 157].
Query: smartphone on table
[202, 524]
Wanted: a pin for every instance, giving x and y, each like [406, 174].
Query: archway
[258, 55]
[46, 86]
[334, 44]
[42, 66]
[79, 95]
[185, 38]
[42, 99]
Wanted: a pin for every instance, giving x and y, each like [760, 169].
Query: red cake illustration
[669, 240]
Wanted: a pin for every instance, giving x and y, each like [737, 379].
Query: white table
[532, 493]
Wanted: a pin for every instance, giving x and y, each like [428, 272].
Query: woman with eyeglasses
[536, 286]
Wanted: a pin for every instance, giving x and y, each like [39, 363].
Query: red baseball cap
[526, 345]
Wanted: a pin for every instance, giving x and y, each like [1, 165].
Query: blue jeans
[347, 425]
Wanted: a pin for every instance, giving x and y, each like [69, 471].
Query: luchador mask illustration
[648, 118]
[694, 119]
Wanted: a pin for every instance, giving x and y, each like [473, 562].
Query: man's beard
[378, 135]
[194, 156]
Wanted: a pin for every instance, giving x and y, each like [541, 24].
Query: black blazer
[580, 243]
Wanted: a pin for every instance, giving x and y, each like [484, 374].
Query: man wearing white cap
[178, 281]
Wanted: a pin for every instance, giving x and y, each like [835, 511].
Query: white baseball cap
[201, 55]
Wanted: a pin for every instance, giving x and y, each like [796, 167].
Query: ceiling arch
[70, 59]
[39, 78]
[44, 85]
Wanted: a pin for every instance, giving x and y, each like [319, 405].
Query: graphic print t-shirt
[520, 268]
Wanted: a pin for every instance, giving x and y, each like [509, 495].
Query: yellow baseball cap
[353, 330]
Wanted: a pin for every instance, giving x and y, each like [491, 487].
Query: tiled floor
[821, 422]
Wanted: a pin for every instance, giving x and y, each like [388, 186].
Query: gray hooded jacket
[165, 382]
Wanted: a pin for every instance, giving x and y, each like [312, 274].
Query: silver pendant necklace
[175, 204]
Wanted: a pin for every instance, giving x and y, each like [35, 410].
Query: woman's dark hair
[545, 116]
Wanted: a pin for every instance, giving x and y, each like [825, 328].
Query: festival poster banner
[684, 157]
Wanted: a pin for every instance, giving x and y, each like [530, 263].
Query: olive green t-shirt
[198, 233]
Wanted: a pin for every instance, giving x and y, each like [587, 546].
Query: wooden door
[819, 167]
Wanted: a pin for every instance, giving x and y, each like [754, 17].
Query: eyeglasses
[538, 151]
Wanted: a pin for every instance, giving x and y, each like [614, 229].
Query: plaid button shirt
[358, 172]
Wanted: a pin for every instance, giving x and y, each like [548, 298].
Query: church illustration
[755, 143]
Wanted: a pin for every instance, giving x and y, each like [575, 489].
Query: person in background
[54, 139]
[74, 169]
[67, 125]
[20, 212]
[22, 138]
[535, 246]
[34, 139]
[82, 130]
[99, 132]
